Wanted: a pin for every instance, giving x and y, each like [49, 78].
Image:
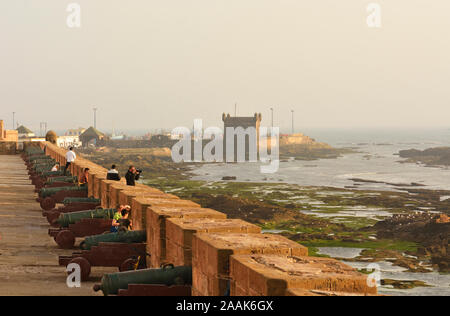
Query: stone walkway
[28, 255]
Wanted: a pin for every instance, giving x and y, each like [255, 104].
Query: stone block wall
[8, 135]
[273, 275]
[226, 255]
[8, 140]
[8, 148]
[212, 253]
[180, 232]
[156, 227]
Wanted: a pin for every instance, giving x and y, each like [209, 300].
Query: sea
[376, 160]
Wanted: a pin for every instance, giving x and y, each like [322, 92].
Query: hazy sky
[151, 64]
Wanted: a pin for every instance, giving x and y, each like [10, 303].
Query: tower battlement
[242, 122]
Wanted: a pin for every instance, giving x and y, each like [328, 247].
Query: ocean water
[438, 284]
[376, 160]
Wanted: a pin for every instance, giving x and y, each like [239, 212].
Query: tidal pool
[340, 252]
[439, 284]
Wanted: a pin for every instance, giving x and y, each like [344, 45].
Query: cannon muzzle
[90, 200]
[65, 219]
[47, 192]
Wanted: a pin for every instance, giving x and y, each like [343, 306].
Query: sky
[149, 64]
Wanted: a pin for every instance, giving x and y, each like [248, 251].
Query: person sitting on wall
[125, 223]
[84, 178]
[113, 174]
[118, 216]
[70, 158]
[132, 176]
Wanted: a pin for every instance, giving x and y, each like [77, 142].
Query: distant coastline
[431, 157]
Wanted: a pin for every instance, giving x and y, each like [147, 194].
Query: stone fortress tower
[243, 122]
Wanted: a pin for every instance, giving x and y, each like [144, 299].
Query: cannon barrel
[168, 275]
[34, 152]
[53, 173]
[30, 156]
[42, 166]
[62, 179]
[65, 219]
[41, 158]
[127, 237]
[70, 200]
[30, 150]
[47, 192]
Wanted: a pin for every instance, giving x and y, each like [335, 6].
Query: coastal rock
[229, 178]
[431, 230]
[438, 156]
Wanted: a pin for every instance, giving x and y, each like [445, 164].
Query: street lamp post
[95, 117]
[43, 128]
[292, 121]
[271, 109]
[271, 113]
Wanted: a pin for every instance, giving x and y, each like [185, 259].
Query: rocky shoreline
[431, 157]
[430, 230]
[388, 226]
[329, 217]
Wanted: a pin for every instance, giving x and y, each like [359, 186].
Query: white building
[75, 132]
[68, 141]
[25, 132]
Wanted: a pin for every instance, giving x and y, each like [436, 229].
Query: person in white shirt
[113, 174]
[70, 158]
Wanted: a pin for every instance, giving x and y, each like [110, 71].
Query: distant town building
[75, 132]
[161, 141]
[296, 139]
[8, 140]
[36, 139]
[91, 136]
[68, 141]
[8, 135]
[25, 132]
[117, 137]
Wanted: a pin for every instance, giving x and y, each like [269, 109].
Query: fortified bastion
[226, 255]
[8, 140]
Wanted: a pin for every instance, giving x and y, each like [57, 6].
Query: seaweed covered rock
[430, 230]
